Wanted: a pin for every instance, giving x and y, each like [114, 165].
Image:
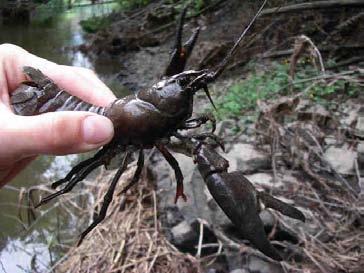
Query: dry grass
[130, 239]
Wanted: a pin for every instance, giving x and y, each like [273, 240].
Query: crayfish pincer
[239, 200]
[147, 119]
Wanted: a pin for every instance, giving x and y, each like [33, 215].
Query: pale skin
[23, 138]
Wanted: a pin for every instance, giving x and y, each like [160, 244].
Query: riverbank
[294, 127]
[289, 111]
[302, 152]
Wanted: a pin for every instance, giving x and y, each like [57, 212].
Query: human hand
[22, 138]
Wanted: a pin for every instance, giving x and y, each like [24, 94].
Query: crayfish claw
[239, 199]
[207, 92]
[180, 54]
[255, 233]
[284, 208]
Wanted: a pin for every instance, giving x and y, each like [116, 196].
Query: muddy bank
[142, 39]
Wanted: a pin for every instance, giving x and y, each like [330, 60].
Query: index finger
[79, 82]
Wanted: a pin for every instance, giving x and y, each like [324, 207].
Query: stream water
[24, 249]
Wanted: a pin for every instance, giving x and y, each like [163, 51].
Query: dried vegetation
[298, 131]
[130, 239]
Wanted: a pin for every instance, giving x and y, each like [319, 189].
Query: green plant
[130, 4]
[275, 82]
[195, 5]
[199, 4]
[243, 95]
[95, 23]
[47, 12]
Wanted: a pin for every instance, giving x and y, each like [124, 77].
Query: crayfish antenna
[221, 67]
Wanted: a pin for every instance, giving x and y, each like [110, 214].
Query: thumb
[58, 133]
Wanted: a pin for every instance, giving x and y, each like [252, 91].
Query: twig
[336, 174]
[155, 213]
[315, 261]
[358, 177]
[2, 266]
[347, 24]
[153, 261]
[200, 240]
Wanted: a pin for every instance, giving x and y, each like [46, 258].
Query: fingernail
[97, 129]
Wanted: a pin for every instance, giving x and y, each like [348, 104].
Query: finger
[90, 75]
[83, 80]
[54, 133]
[8, 174]
[88, 88]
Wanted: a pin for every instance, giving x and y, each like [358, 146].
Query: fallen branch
[314, 5]
[288, 52]
[349, 23]
[347, 62]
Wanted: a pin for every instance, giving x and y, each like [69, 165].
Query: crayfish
[149, 118]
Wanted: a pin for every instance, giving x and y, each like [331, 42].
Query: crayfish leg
[78, 168]
[137, 174]
[72, 183]
[177, 170]
[107, 199]
[179, 193]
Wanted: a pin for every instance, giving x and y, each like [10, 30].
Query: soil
[143, 39]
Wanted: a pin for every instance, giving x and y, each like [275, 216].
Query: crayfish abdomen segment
[41, 95]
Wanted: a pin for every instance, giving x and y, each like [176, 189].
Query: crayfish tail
[284, 208]
[37, 77]
[41, 95]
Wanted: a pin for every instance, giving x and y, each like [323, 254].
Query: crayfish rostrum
[149, 118]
